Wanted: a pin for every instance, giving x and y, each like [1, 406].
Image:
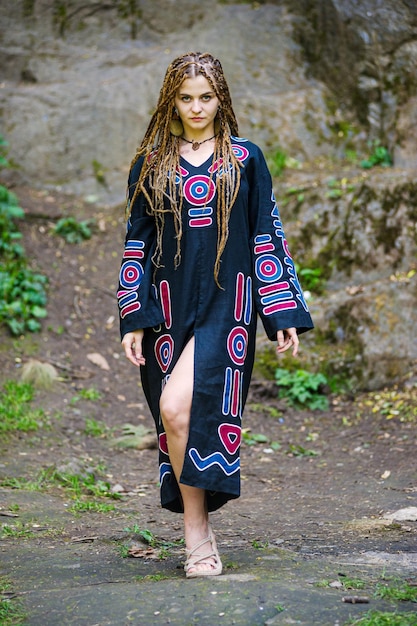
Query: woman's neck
[197, 156]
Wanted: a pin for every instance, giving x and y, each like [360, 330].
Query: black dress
[257, 276]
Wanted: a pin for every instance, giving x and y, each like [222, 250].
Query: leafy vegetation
[392, 589]
[396, 590]
[81, 487]
[394, 404]
[90, 393]
[95, 428]
[382, 618]
[17, 530]
[99, 172]
[81, 484]
[379, 156]
[344, 582]
[278, 161]
[252, 439]
[297, 450]
[311, 279]
[82, 506]
[302, 388]
[161, 546]
[23, 291]
[338, 188]
[147, 535]
[11, 612]
[15, 409]
[72, 230]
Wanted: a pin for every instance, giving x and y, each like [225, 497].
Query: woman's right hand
[132, 344]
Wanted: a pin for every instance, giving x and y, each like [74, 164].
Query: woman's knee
[175, 416]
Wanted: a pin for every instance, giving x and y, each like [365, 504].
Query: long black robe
[257, 276]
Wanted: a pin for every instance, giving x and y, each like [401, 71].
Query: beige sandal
[194, 558]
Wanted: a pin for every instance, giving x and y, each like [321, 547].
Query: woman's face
[197, 106]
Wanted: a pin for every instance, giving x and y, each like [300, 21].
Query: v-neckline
[209, 158]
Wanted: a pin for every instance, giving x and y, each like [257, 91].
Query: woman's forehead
[194, 85]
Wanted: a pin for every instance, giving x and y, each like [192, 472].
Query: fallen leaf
[98, 359]
[353, 290]
[143, 553]
[139, 437]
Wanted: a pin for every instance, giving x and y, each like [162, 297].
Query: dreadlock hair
[160, 150]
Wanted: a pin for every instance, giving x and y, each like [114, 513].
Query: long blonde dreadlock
[160, 150]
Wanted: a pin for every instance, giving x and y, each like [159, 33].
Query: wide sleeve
[136, 295]
[278, 296]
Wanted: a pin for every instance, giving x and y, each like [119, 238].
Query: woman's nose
[196, 105]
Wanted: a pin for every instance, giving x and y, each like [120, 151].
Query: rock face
[69, 103]
[364, 241]
[366, 52]
[314, 78]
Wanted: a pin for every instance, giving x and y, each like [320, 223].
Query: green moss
[266, 362]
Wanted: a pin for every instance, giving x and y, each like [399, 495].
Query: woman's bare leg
[175, 406]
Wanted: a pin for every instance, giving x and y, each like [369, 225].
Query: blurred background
[327, 88]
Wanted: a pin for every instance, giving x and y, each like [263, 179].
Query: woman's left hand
[286, 339]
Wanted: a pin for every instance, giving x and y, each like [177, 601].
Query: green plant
[24, 298]
[297, 450]
[72, 230]
[396, 590]
[3, 152]
[99, 172]
[80, 484]
[278, 161]
[381, 618]
[379, 156]
[152, 577]
[13, 482]
[259, 545]
[11, 612]
[15, 411]
[302, 388]
[94, 428]
[394, 403]
[311, 278]
[152, 540]
[86, 394]
[253, 438]
[337, 188]
[16, 530]
[10, 235]
[124, 550]
[345, 581]
[147, 536]
[23, 291]
[88, 506]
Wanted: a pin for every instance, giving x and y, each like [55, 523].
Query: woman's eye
[206, 98]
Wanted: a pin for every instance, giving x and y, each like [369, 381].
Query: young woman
[205, 253]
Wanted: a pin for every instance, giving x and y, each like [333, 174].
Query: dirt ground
[324, 490]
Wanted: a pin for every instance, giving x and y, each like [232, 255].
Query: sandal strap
[193, 558]
[198, 545]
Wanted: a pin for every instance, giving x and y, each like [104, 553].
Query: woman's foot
[203, 558]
